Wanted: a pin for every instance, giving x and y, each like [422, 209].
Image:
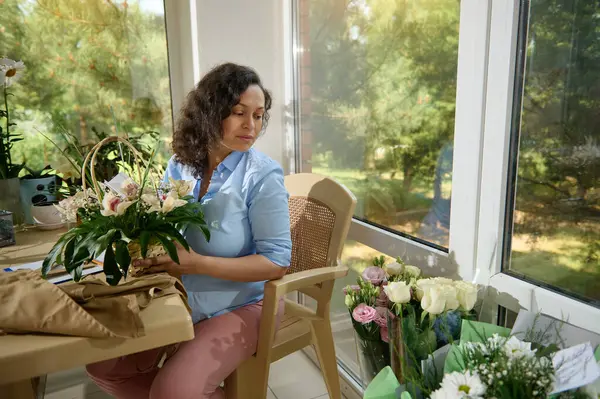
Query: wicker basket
[154, 248]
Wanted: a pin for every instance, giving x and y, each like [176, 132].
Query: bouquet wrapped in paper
[539, 358]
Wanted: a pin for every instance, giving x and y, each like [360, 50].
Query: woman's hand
[188, 260]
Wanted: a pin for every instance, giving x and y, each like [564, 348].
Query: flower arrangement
[141, 220]
[499, 367]
[424, 315]
[529, 361]
[414, 315]
[367, 305]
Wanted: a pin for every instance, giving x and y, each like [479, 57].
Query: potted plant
[10, 72]
[38, 187]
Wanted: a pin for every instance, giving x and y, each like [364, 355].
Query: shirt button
[214, 224]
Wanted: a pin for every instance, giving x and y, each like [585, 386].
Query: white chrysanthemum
[11, 70]
[515, 348]
[460, 385]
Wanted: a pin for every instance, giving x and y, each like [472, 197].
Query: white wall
[254, 33]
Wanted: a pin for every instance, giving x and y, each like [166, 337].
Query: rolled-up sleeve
[270, 218]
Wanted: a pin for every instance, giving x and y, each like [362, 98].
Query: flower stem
[5, 146]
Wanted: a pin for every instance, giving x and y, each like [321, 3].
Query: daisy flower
[460, 385]
[11, 70]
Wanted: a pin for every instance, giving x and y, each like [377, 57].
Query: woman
[246, 208]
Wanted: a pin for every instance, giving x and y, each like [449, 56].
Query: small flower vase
[373, 356]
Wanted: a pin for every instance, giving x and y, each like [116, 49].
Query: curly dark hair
[199, 127]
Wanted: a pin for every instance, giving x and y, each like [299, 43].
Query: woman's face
[242, 127]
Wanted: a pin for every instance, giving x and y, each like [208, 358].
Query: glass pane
[357, 257]
[556, 219]
[91, 66]
[377, 90]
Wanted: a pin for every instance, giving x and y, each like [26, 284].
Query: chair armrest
[295, 281]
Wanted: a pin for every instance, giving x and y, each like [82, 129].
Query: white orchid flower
[171, 202]
[182, 187]
[114, 206]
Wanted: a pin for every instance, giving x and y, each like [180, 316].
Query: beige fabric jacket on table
[90, 308]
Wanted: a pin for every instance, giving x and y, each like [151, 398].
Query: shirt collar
[231, 161]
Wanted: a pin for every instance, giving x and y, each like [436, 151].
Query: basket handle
[94, 153]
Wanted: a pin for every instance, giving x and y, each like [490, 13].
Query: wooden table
[23, 357]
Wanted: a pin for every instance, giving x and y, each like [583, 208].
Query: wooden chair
[320, 213]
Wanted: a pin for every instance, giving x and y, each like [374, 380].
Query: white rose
[348, 301]
[422, 285]
[397, 292]
[394, 268]
[412, 271]
[466, 294]
[438, 298]
[442, 280]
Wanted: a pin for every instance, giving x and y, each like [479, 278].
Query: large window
[377, 104]
[555, 189]
[94, 67]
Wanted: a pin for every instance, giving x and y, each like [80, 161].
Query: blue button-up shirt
[246, 209]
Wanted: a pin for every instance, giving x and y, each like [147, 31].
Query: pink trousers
[195, 370]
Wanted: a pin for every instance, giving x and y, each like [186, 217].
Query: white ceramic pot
[46, 216]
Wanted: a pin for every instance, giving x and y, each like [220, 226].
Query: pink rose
[375, 275]
[381, 319]
[364, 314]
[351, 288]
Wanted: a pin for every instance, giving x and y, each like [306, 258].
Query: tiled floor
[293, 377]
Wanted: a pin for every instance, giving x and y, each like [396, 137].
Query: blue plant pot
[34, 191]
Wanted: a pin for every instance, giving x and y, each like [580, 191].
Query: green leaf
[206, 232]
[169, 247]
[144, 241]
[68, 253]
[175, 234]
[51, 258]
[103, 242]
[122, 256]
[111, 269]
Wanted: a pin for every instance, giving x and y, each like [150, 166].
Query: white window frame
[484, 104]
[460, 260]
[493, 199]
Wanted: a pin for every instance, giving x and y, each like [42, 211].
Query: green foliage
[89, 63]
[99, 233]
[8, 138]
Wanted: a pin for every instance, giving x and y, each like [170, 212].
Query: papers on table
[55, 279]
